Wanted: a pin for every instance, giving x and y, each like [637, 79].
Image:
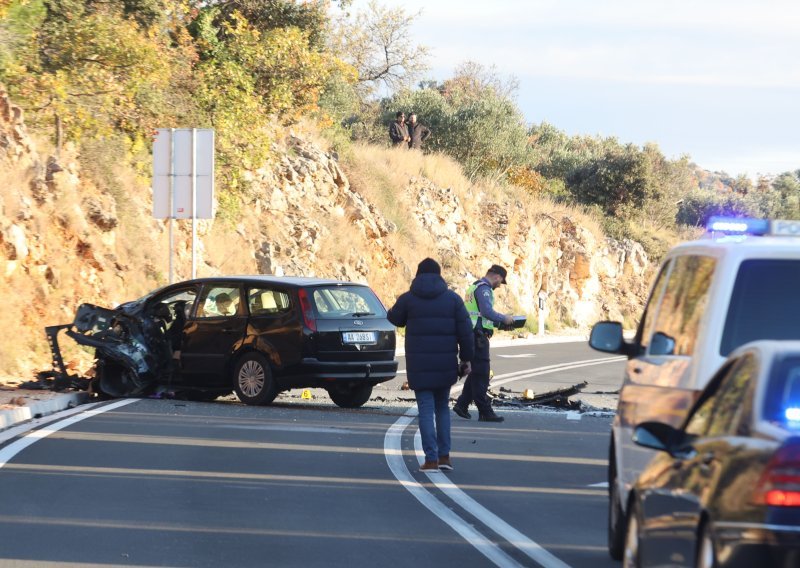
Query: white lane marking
[394, 457]
[517, 375]
[7, 453]
[523, 356]
[573, 415]
[602, 484]
[531, 549]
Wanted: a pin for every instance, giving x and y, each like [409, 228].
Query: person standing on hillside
[480, 304]
[438, 334]
[417, 131]
[398, 131]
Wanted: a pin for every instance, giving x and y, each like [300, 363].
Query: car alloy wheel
[253, 381]
[630, 558]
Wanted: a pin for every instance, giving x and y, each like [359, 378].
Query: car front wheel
[616, 516]
[630, 558]
[706, 554]
[253, 380]
[350, 397]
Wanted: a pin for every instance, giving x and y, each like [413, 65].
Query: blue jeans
[434, 404]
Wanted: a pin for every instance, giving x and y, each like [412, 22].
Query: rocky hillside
[67, 239]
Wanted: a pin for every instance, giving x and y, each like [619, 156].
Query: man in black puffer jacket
[438, 334]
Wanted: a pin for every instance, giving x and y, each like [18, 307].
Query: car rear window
[782, 399]
[765, 303]
[346, 301]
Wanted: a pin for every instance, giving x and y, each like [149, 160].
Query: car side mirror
[664, 438]
[662, 344]
[606, 336]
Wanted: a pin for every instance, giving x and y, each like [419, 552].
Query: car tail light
[308, 311]
[779, 485]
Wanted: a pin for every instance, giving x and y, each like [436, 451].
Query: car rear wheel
[630, 558]
[350, 397]
[616, 516]
[706, 555]
[253, 380]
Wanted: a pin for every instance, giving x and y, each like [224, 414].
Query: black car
[724, 490]
[255, 335]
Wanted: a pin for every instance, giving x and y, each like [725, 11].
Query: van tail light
[779, 485]
[308, 311]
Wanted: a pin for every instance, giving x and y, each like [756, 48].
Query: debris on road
[558, 398]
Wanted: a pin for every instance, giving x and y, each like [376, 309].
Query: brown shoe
[429, 466]
[444, 463]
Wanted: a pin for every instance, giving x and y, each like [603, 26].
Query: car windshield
[347, 301]
[782, 399]
[764, 304]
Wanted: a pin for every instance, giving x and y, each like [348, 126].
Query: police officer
[480, 305]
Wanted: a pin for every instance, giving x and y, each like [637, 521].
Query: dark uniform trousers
[477, 382]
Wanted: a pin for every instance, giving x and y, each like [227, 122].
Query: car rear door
[275, 328]
[210, 338]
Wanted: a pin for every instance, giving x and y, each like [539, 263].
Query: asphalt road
[304, 483]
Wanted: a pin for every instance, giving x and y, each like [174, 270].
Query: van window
[682, 307]
[650, 311]
[765, 303]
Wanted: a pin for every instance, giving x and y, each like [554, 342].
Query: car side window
[219, 301]
[681, 311]
[176, 305]
[652, 307]
[721, 414]
[263, 301]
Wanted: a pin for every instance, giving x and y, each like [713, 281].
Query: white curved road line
[7, 453]
[523, 543]
[394, 457]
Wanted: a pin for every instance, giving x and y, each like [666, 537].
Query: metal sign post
[183, 180]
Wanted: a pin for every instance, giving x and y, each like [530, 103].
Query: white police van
[739, 283]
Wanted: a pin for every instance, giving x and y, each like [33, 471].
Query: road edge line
[8, 452]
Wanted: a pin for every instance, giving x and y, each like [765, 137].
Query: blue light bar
[793, 414]
[738, 226]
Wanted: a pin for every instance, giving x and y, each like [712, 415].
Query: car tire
[616, 516]
[350, 397]
[706, 551]
[253, 380]
[631, 555]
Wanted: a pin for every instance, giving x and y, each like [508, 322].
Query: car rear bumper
[755, 544]
[315, 373]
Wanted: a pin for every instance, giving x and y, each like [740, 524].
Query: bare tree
[377, 43]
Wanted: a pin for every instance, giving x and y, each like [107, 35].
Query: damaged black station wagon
[253, 335]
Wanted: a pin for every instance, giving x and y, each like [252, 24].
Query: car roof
[741, 245]
[262, 278]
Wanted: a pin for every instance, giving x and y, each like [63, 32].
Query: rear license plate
[358, 336]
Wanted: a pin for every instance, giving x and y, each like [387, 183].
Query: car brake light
[308, 311]
[779, 485]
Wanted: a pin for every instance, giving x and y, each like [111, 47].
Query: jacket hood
[428, 285]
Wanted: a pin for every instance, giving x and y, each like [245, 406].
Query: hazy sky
[716, 79]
